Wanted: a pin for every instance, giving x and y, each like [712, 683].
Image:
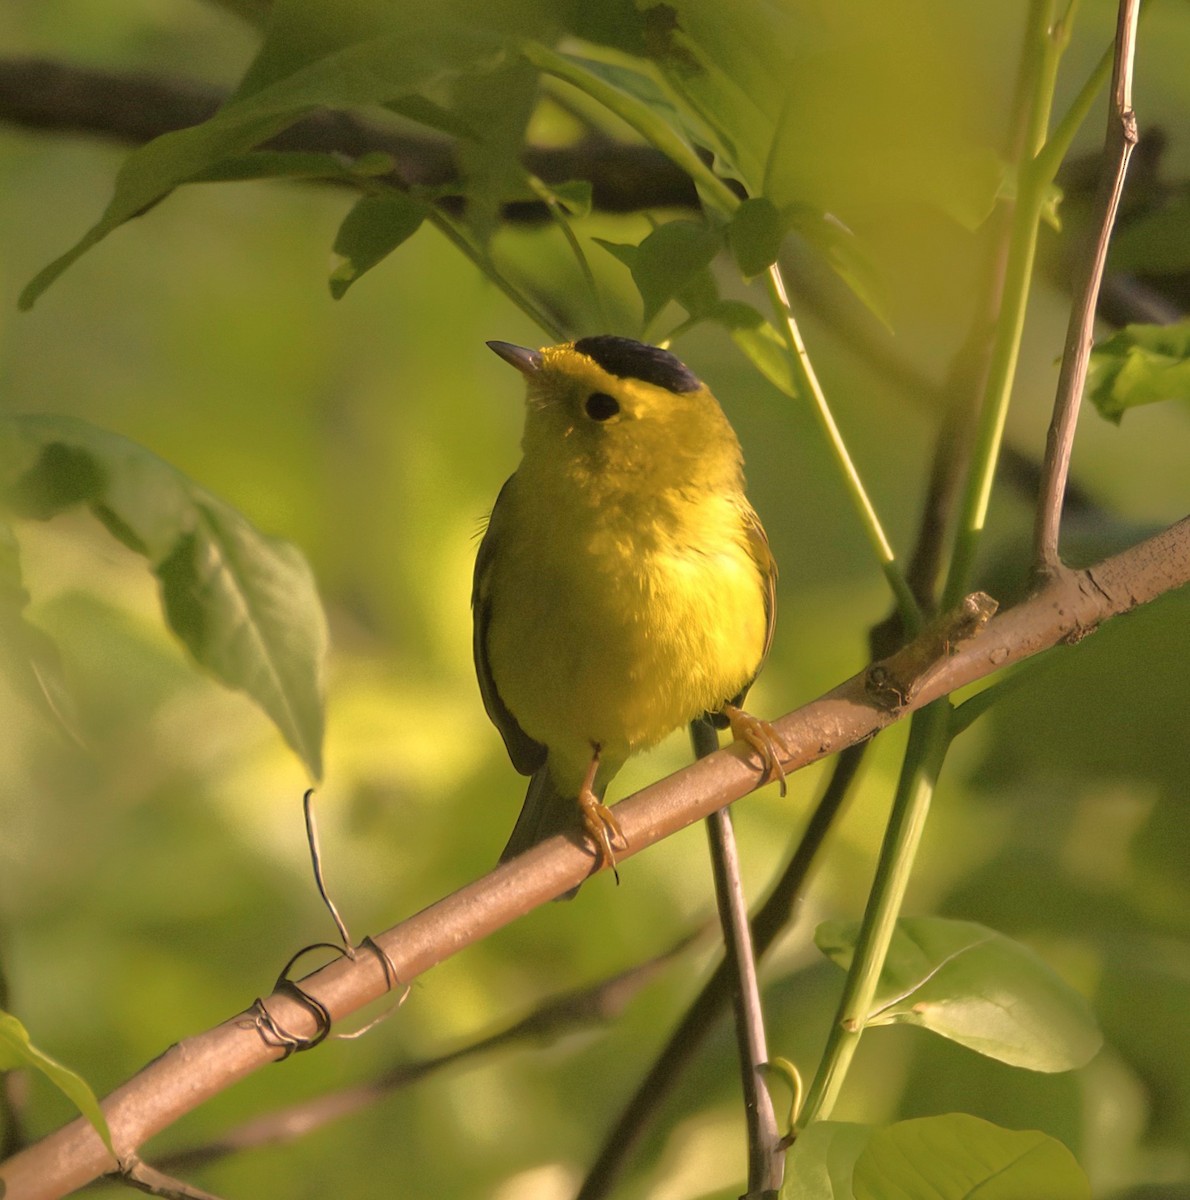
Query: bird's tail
[547, 811]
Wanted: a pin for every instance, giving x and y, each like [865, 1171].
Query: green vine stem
[929, 737]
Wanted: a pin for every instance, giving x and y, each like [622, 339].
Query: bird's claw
[602, 828]
[762, 738]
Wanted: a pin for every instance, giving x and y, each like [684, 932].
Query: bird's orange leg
[762, 737]
[598, 820]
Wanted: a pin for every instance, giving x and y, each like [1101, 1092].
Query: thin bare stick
[1121, 138]
[199, 1067]
[765, 1159]
[701, 1018]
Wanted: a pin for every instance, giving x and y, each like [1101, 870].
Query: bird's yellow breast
[613, 623]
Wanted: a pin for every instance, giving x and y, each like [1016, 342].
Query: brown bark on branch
[1070, 606]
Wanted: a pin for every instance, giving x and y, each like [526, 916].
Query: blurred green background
[154, 878]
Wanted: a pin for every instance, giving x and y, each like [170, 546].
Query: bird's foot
[763, 738]
[602, 828]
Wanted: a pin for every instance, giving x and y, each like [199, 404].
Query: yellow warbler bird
[624, 586]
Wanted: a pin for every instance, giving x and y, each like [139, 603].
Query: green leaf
[490, 159]
[844, 252]
[16, 1050]
[575, 196]
[820, 1163]
[976, 987]
[393, 54]
[761, 344]
[960, 1157]
[642, 104]
[754, 235]
[244, 604]
[370, 232]
[1141, 364]
[668, 261]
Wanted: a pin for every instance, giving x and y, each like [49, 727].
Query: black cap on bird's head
[620, 356]
[629, 359]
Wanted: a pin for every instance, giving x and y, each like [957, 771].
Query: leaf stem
[1048, 37]
[807, 381]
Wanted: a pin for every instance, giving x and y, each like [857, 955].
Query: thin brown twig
[765, 1160]
[198, 1068]
[1121, 138]
[701, 1018]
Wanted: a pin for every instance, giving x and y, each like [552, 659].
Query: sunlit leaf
[1141, 364]
[820, 1163]
[976, 987]
[16, 1051]
[960, 1157]
[370, 232]
[245, 604]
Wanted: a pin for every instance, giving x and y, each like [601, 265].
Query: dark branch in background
[134, 108]
[200, 1067]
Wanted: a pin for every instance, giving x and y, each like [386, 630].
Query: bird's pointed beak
[527, 361]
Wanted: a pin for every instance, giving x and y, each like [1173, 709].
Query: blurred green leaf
[30, 657]
[760, 343]
[639, 101]
[1141, 364]
[16, 1051]
[850, 138]
[370, 232]
[668, 261]
[490, 159]
[754, 234]
[845, 253]
[392, 55]
[729, 63]
[575, 196]
[976, 987]
[958, 1157]
[820, 1163]
[245, 604]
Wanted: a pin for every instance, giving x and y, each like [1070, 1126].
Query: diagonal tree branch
[191, 1072]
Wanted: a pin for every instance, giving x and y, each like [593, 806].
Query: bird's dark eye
[600, 406]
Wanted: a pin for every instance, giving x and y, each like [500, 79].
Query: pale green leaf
[1141, 364]
[820, 1163]
[960, 1157]
[32, 666]
[16, 1051]
[244, 604]
[976, 987]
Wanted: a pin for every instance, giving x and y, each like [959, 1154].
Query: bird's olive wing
[526, 754]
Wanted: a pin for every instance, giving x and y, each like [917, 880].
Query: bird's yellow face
[609, 411]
